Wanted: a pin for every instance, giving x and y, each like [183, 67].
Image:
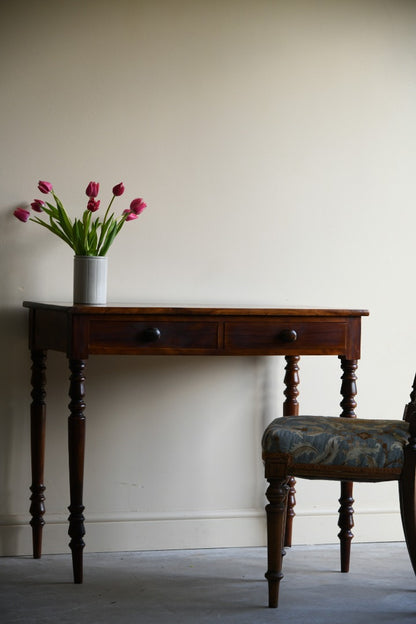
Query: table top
[130, 308]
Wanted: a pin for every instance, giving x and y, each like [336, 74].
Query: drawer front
[151, 336]
[286, 337]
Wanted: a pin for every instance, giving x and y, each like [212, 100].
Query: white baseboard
[217, 529]
[374, 526]
[163, 531]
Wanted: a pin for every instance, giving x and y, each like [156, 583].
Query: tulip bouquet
[87, 236]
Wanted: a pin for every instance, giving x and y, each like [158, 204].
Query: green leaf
[54, 230]
[62, 217]
[121, 223]
[109, 239]
[86, 225]
[92, 242]
[78, 237]
[51, 210]
[104, 228]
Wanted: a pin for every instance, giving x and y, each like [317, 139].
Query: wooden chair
[343, 449]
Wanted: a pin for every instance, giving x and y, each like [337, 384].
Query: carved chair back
[409, 416]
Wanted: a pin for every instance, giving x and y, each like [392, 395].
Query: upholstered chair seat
[321, 441]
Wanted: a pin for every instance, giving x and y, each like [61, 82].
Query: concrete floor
[218, 585]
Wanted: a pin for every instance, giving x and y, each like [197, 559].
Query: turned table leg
[76, 450]
[346, 511]
[37, 436]
[291, 408]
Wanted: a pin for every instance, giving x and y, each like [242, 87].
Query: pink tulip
[118, 189]
[44, 187]
[130, 215]
[92, 189]
[22, 214]
[37, 205]
[137, 206]
[93, 204]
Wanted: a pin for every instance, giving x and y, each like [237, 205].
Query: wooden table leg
[76, 450]
[291, 408]
[346, 511]
[37, 436]
[348, 387]
[346, 523]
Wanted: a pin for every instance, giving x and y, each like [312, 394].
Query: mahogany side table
[80, 331]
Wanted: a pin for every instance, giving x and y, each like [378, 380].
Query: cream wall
[275, 145]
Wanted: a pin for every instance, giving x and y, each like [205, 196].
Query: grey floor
[218, 585]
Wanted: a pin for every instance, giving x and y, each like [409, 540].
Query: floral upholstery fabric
[335, 441]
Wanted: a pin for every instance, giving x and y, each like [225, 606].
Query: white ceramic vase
[90, 280]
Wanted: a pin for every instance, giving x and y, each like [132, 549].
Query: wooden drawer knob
[288, 335]
[151, 334]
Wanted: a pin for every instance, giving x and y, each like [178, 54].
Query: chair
[343, 449]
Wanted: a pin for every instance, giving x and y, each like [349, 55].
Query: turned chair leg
[407, 492]
[276, 510]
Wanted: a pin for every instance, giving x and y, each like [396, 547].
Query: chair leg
[277, 494]
[407, 493]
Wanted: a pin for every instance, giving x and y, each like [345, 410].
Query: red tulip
[37, 205]
[137, 206]
[130, 215]
[44, 187]
[92, 189]
[118, 189]
[22, 214]
[93, 204]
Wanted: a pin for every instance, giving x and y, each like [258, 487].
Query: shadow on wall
[16, 251]
[14, 415]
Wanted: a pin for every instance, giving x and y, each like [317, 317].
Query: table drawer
[152, 335]
[287, 336]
